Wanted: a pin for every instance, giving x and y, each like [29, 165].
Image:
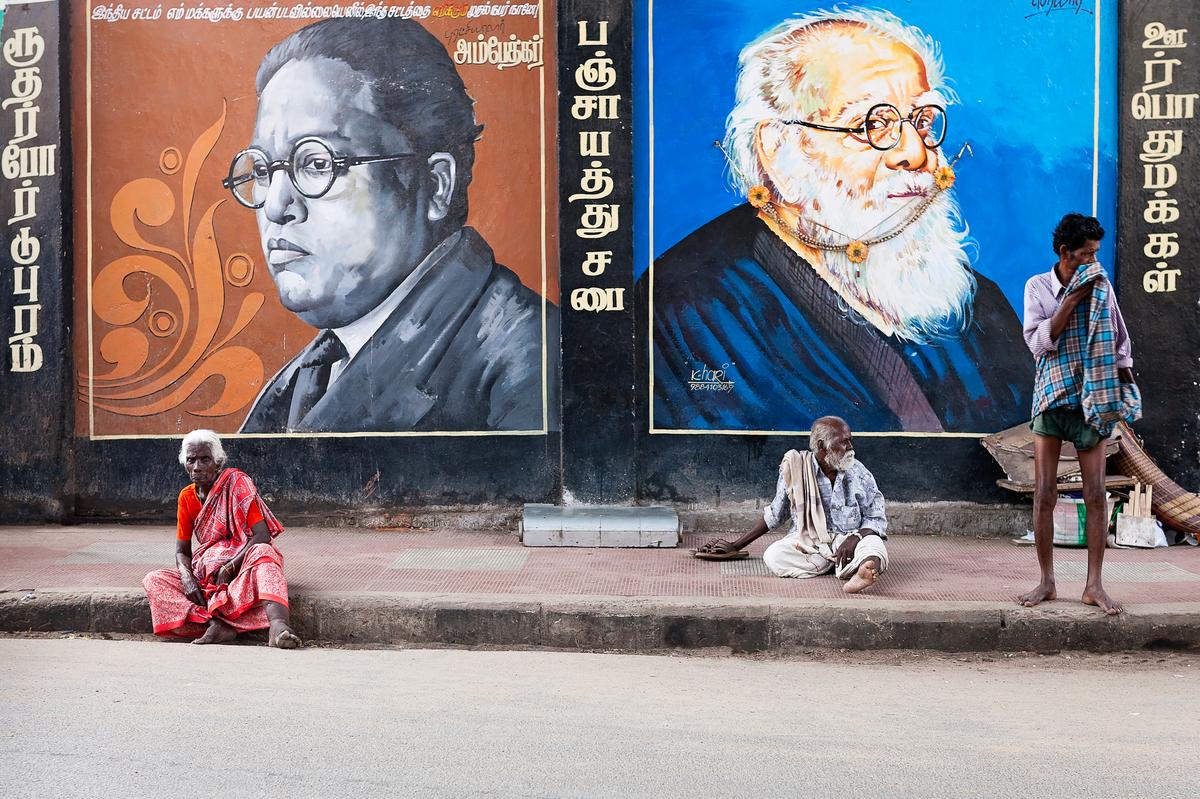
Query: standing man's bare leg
[1091, 463]
[1046, 450]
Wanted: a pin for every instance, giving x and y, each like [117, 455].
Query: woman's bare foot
[218, 632]
[282, 637]
[1099, 597]
[1045, 591]
[865, 578]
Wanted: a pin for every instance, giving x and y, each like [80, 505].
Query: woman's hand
[192, 589]
[227, 572]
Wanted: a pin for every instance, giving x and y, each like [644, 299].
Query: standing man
[1084, 386]
[363, 151]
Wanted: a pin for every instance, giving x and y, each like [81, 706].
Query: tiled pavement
[932, 569]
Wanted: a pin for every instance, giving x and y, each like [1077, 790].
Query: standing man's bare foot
[218, 632]
[282, 637]
[1045, 591]
[868, 572]
[1099, 597]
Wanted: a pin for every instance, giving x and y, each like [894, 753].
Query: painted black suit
[463, 351]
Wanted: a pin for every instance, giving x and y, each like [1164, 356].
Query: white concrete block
[659, 538]
[581, 538]
[620, 538]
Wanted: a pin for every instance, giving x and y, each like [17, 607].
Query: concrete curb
[741, 626]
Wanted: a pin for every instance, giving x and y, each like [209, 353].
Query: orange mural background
[177, 321]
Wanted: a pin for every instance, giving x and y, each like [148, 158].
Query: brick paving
[933, 569]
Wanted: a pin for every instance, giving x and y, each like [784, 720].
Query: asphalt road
[145, 718]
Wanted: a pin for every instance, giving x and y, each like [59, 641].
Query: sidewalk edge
[740, 626]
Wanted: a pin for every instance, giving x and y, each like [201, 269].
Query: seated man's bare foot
[282, 637]
[1044, 592]
[218, 632]
[867, 573]
[1100, 598]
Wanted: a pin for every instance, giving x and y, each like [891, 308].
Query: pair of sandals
[719, 549]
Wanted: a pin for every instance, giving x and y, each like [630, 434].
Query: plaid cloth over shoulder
[1082, 371]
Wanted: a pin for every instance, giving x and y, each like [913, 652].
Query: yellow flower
[759, 196]
[943, 178]
[856, 251]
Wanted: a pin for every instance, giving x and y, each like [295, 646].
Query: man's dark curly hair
[1074, 230]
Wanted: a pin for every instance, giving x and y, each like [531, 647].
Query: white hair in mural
[772, 85]
[208, 438]
[918, 281]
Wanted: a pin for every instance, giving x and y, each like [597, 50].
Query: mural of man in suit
[358, 172]
[844, 284]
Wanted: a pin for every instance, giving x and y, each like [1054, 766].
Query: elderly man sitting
[838, 519]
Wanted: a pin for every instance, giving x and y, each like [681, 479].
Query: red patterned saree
[221, 530]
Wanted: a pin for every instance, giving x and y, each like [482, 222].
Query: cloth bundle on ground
[808, 550]
[1082, 371]
[221, 529]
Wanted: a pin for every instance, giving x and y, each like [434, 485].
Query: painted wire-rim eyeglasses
[313, 167]
[883, 125]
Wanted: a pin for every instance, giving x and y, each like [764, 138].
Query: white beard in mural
[920, 280]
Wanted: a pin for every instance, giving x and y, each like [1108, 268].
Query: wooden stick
[1134, 499]
[1150, 500]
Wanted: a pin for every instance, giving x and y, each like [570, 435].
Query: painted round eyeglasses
[313, 167]
[883, 125]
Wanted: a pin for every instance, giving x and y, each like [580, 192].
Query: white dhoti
[785, 559]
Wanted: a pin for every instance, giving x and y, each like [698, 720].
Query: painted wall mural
[841, 216]
[335, 221]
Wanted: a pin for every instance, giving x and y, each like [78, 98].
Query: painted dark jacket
[463, 351]
[733, 297]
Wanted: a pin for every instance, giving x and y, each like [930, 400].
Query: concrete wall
[167, 316]
[36, 452]
[1160, 139]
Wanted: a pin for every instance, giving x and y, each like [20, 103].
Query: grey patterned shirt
[851, 503]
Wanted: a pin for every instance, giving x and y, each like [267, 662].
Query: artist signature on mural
[1043, 8]
[705, 379]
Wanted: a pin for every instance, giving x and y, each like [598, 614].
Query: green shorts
[1066, 424]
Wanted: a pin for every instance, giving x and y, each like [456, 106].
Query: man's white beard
[920, 281]
[841, 463]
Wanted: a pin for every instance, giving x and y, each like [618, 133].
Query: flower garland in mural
[855, 248]
[174, 293]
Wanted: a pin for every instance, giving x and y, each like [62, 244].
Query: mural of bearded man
[844, 285]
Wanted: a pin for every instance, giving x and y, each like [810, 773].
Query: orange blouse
[189, 509]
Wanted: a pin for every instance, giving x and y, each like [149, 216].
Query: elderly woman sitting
[233, 581]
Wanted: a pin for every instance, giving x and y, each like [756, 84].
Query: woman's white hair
[825, 430]
[773, 84]
[208, 438]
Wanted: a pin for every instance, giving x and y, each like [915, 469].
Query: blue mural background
[1025, 79]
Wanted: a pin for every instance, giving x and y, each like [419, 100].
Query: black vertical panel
[1160, 289]
[35, 370]
[597, 345]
